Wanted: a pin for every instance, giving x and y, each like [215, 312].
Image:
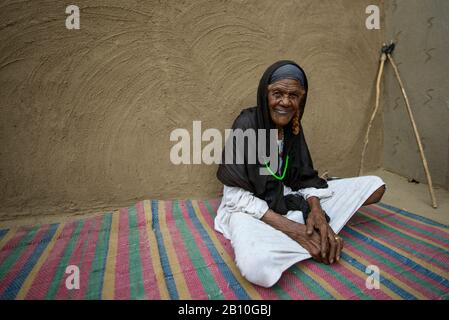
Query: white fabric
[239, 200]
[263, 253]
[310, 192]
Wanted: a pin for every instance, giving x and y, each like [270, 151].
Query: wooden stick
[379, 78]
[415, 130]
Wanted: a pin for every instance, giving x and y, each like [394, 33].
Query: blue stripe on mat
[233, 282]
[168, 275]
[14, 287]
[390, 285]
[3, 232]
[414, 265]
[412, 215]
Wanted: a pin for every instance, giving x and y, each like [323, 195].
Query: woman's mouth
[282, 111]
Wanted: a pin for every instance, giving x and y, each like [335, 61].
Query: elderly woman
[277, 220]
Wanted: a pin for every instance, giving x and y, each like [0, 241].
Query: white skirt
[263, 253]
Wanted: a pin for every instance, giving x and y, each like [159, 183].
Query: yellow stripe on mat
[430, 242]
[420, 223]
[411, 256]
[7, 237]
[175, 266]
[323, 283]
[227, 259]
[394, 280]
[108, 292]
[44, 256]
[363, 276]
[154, 251]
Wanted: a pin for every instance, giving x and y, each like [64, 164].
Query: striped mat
[169, 250]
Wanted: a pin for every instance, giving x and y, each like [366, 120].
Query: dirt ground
[414, 197]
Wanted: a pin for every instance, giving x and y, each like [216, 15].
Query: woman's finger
[315, 252]
[339, 248]
[309, 227]
[333, 243]
[324, 242]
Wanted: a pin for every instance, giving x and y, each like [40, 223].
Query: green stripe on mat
[350, 285]
[15, 254]
[311, 283]
[95, 282]
[403, 235]
[389, 263]
[404, 247]
[135, 276]
[281, 293]
[53, 289]
[419, 230]
[378, 240]
[206, 278]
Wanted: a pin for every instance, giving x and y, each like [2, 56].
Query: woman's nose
[285, 101]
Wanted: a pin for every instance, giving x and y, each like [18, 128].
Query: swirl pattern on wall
[87, 114]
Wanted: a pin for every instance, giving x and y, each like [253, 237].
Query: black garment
[300, 173]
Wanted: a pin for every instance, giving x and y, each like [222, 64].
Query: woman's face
[284, 97]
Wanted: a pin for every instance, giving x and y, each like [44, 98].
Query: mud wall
[87, 114]
[421, 30]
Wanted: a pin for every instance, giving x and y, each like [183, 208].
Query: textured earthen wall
[421, 30]
[87, 114]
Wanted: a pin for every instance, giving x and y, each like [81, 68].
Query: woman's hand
[331, 244]
[336, 245]
[298, 232]
[295, 231]
[312, 243]
[317, 221]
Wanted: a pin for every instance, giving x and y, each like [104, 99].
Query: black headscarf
[300, 172]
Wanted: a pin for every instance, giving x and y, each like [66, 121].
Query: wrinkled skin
[284, 98]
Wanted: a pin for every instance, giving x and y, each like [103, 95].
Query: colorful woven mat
[169, 250]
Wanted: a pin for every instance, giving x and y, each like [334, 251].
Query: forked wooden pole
[383, 57]
[415, 130]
